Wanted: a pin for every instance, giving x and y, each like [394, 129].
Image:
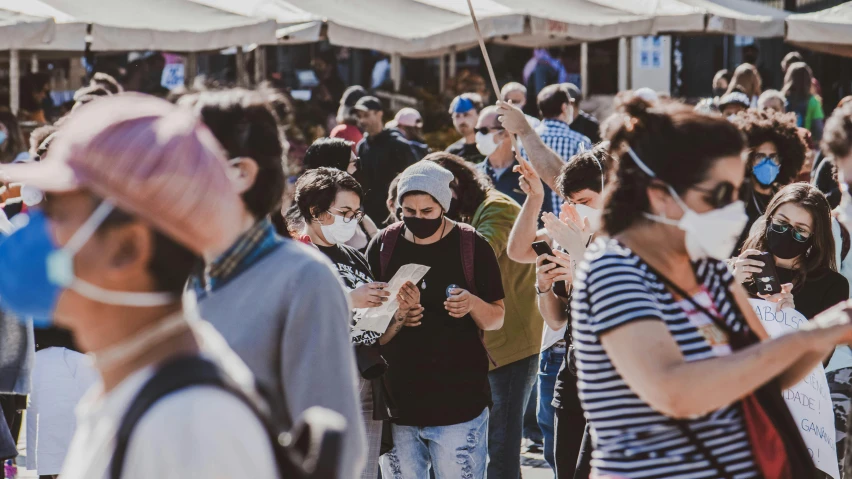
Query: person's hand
[744, 268]
[459, 303]
[552, 268]
[571, 232]
[415, 314]
[513, 119]
[370, 295]
[408, 297]
[831, 327]
[783, 300]
[529, 181]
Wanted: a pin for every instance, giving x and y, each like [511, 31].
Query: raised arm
[524, 232]
[546, 162]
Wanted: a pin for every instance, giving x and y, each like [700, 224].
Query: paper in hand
[377, 319]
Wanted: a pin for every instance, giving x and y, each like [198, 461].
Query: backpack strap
[316, 444]
[390, 236]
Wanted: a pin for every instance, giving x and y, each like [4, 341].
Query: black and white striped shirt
[632, 440]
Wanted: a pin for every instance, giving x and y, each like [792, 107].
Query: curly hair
[761, 126]
[470, 184]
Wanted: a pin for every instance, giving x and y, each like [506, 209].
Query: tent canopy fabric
[828, 31]
[19, 31]
[120, 25]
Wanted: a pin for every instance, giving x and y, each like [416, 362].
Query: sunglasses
[719, 196]
[779, 226]
[487, 129]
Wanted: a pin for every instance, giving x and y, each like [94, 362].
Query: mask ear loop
[87, 230]
[648, 171]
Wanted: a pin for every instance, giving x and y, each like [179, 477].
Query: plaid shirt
[251, 246]
[566, 142]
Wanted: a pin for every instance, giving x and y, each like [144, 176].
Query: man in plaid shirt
[557, 109]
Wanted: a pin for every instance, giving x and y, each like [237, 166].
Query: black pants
[569, 445]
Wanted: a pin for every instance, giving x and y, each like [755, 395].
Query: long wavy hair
[820, 256]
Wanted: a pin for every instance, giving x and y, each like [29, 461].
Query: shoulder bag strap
[388, 241]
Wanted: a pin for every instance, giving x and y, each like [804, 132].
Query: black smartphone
[540, 248]
[766, 281]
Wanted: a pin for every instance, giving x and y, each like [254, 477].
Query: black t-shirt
[354, 271]
[438, 371]
[587, 125]
[821, 290]
[755, 204]
[565, 394]
[468, 151]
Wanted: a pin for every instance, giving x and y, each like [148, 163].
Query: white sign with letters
[809, 400]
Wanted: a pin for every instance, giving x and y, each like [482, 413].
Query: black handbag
[371, 364]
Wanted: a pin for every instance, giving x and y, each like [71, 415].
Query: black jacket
[383, 156]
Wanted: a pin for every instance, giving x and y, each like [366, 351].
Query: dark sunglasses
[780, 226]
[487, 129]
[719, 196]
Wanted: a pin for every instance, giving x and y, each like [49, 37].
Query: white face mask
[486, 144]
[592, 214]
[713, 234]
[340, 231]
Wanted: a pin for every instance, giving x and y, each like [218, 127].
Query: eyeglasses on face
[487, 129]
[348, 215]
[781, 226]
[757, 157]
[719, 196]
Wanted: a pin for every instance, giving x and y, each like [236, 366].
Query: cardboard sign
[809, 400]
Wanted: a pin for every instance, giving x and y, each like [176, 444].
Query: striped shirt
[566, 143]
[632, 440]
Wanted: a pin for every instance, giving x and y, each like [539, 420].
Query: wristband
[540, 292]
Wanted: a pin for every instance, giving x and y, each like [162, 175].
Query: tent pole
[242, 75]
[584, 69]
[622, 64]
[396, 71]
[34, 63]
[14, 81]
[442, 73]
[191, 70]
[452, 62]
[259, 64]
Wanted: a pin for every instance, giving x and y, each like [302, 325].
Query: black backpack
[311, 450]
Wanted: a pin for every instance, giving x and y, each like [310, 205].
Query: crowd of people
[550, 282]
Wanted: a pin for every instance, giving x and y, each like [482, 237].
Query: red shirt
[348, 133]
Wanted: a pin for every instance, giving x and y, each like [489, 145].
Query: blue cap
[462, 105]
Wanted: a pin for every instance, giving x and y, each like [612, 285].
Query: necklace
[756, 205]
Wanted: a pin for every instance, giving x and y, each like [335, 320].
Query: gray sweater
[287, 317]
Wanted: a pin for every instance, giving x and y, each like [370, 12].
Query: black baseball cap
[368, 103]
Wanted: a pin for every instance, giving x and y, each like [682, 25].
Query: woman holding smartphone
[796, 231]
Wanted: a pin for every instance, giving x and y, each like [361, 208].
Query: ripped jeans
[459, 451]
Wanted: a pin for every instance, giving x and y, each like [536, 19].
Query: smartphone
[766, 281]
[540, 248]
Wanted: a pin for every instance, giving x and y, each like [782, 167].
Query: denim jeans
[456, 451]
[510, 392]
[549, 364]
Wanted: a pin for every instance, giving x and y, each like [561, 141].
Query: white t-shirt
[550, 337]
[200, 431]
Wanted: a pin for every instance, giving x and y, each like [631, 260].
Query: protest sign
[809, 400]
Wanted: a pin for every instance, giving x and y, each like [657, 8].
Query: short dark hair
[317, 188]
[108, 82]
[550, 100]
[837, 134]
[761, 126]
[171, 262]
[470, 184]
[584, 171]
[328, 152]
[16, 137]
[245, 125]
[679, 145]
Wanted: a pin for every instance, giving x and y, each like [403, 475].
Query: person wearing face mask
[116, 278]
[276, 333]
[465, 110]
[687, 365]
[438, 372]
[582, 181]
[775, 154]
[332, 153]
[515, 346]
[494, 142]
[330, 200]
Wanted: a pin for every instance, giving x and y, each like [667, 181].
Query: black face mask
[784, 246]
[422, 227]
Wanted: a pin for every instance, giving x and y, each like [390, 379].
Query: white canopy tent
[827, 31]
[22, 31]
[121, 25]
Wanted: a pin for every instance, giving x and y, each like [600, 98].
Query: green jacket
[520, 336]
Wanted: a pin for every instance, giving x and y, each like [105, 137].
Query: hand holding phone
[765, 280]
[542, 248]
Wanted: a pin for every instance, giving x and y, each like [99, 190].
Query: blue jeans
[456, 451]
[549, 364]
[510, 392]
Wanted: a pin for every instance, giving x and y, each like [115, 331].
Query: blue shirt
[506, 182]
[565, 142]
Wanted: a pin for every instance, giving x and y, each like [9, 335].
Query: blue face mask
[36, 271]
[765, 171]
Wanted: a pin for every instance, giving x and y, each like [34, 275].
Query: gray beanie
[427, 177]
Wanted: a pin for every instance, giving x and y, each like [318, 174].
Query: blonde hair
[746, 79]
